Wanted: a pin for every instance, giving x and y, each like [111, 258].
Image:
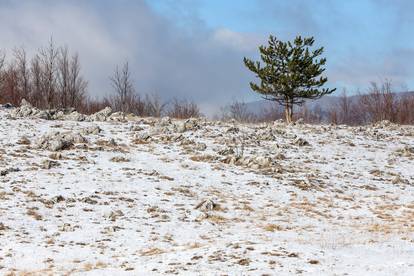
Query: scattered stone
[206, 205]
[57, 141]
[119, 159]
[301, 142]
[90, 130]
[114, 215]
[23, 141]
[49, 164]
[4, 172]
[100, 116]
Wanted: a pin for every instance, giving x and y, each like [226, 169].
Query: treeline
[378, 104]
[52, 79]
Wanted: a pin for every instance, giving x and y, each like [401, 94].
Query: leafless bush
[90, 105]
[154, 107]
[50, 79]
[405, 110]
[313, 115]
[270, 113]
[348, 110]
[237, 111]
[183, 109]
[10, 91]
[380, 103]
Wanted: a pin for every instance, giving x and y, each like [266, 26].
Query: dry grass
[34, 214]
[152, 252]
[273, 228]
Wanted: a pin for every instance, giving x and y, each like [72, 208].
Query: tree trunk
[288, 111]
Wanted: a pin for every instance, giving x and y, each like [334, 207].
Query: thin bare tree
[124, 89]
[36, 82]
[23, 73]
[63, 76]
[48, 62]
[77, 84]
[2, 63]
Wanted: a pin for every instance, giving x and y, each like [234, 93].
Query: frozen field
[150, 197]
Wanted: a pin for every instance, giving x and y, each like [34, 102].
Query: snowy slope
[151, 197]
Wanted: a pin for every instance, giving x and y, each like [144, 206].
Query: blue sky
[194, 48]
[375, 34]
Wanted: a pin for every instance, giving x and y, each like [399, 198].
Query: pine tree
[290, 74]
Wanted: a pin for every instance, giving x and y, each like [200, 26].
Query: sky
[194, 49]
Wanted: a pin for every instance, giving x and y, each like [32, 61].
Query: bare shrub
[379, 103]
[237, 111]
[270, 113]
[154, 107]
[183, 109]
[10, 91]
[311, 115]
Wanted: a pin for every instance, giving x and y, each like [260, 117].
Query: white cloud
[201, 64]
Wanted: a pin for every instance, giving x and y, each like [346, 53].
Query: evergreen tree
[290, 74]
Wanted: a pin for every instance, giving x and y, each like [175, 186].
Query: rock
[382, 124]
[165, 121]
[233, 130]
[49, 164]
[301, 142]
[4, 227]
[119, 159]
[27, 110]
[100, 116]
[299, 121]
[23, 141]
[90, 130]
[189, 124]
[66, 227]
[4, 172]
[136, 128]
[42, 114]
[143, 136]
[56, 156]
[280, 156]
[117, 117]
[57, 114]
[206, 205]
[58, 199]
[263, 161]
[75, 116]
[226, 151]
[24, 102]
[57, 141]
[114, 215]
[200, 146]
[7, 106]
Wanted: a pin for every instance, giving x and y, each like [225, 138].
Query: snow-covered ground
[150, 197]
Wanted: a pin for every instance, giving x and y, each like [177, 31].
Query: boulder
[57, 141]
[100, 116]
